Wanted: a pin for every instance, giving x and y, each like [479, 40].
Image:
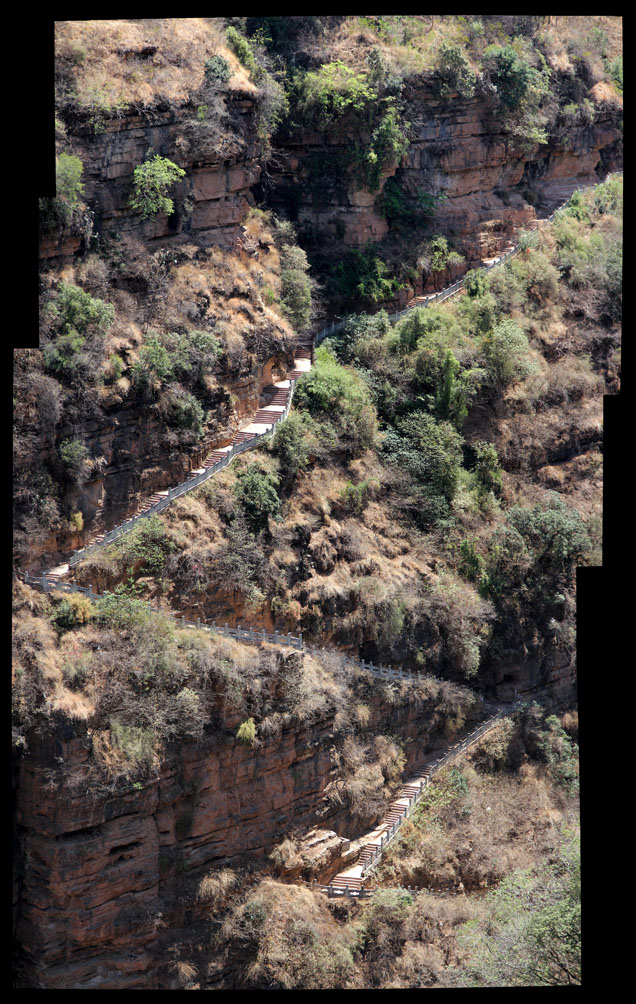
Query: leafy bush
[453, 72]
[404, 210]
[154, 366]
[58, 212]
[184, 411]
[431, 453]
[148, 543]
[72, 611]
[74, 456]
[256, 493]
[487, 467]
[360, 272]
[246, 732]
[151, 180]
[295, 285]
[475, 282]
[217, 69]
[121, 611]
[68, 171]
[561, 753]
[441, 256]
[507, 353]
[291, 444]
[333, 391]
[355, 497]
[243, 50]
[74, 312]
[509, 73]
[64, 355]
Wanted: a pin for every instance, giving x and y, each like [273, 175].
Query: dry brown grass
[505, 822]
[113, 62]
[215, 887]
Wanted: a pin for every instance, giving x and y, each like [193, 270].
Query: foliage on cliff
[415, 507]
[215, 316]
[497, 823]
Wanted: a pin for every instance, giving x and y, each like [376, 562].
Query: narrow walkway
[352, 878]
[262, 423]
[263, 420]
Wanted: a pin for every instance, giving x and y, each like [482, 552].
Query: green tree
[446, 397]
[430, 453]
[256, 493]
[68, 172]
[487, 467]
[291, 444]
[74, 456]
[509, 73]
[151, 181]
[295, 285]
[530, 931]
[507, 352]
[453, 72]
[475, 282]
[154, 365]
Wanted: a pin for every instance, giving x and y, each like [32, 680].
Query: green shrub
[243, 51]
[72, 611]
[154, 366]
[295, 285]
[487, 467]
[355, 497]
[507, 352]
[151, 181]
[150, 543]
[475, 282]
[136, 744]
[64, 355]
[615, 70]
[361, 273]
[472, 563]
[256, 493]
[184, 411]
[430, 453]
[339, 394]
[246, 732]
[68, 171]
[217, 69]
[291, 444]
[122, 612]
[74, 312]
[453, 72]
[74, 455]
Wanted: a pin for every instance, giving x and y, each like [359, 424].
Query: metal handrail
[443, 294]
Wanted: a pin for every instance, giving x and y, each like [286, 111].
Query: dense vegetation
[523, 930]
[395, 447]
[426, 503]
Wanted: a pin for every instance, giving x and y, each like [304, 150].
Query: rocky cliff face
[210, 202]
[106, 878]
[459, 150]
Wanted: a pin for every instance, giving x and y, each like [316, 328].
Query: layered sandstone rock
[211, 201]
[104, 873]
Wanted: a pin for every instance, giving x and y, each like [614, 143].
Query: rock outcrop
[104, 875]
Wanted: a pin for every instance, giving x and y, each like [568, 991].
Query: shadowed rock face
[457, 148]
[210, 202]
[105, 880]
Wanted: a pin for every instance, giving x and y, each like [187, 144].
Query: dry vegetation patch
[117, 63]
